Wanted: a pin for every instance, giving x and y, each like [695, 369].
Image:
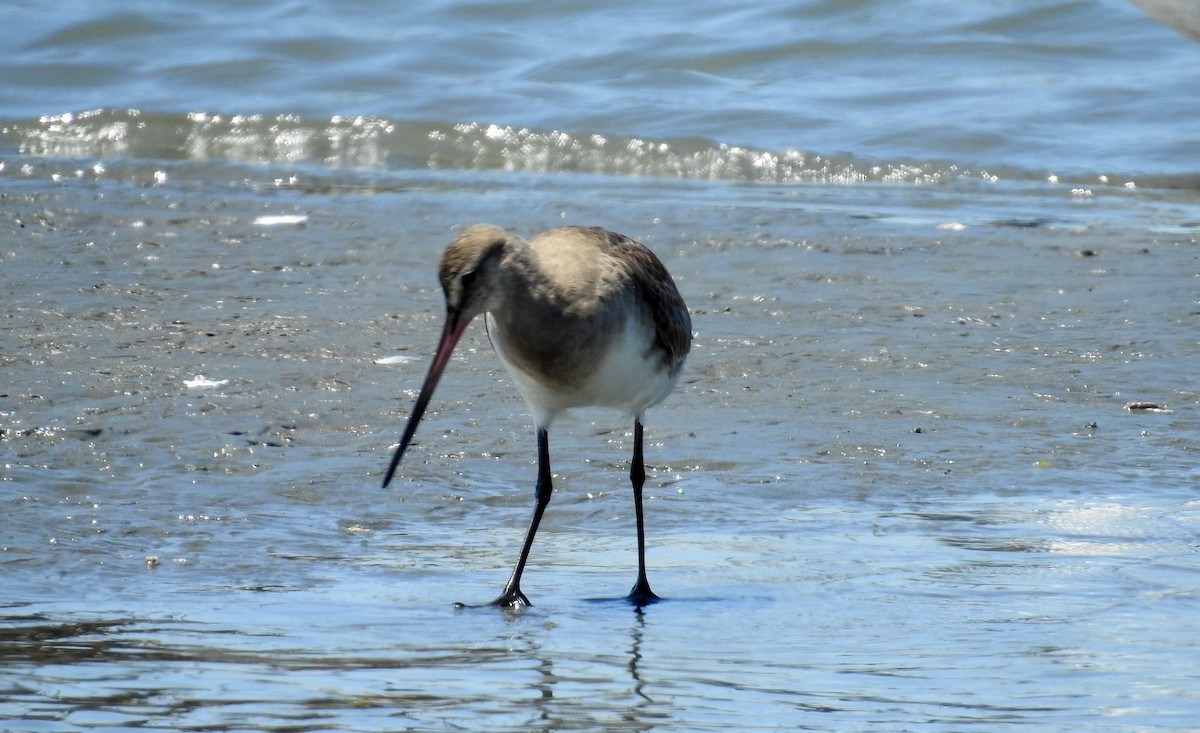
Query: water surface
[932, 259]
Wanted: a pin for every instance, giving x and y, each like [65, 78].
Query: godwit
[580, 316]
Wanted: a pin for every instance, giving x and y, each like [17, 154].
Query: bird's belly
[626, 374]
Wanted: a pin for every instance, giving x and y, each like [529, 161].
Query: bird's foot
[511, 598]
[508, 600]
[641, 595]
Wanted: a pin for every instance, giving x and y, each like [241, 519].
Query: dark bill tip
[451, 333]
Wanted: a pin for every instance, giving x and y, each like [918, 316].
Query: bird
[580, 317]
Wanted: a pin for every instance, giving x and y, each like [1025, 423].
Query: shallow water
[899, 486]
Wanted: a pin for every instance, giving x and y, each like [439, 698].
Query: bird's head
[470, 270]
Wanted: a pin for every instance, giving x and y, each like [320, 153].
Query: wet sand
[899, 482]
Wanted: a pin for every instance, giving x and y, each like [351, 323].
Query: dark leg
[641, 594]
[512, 596]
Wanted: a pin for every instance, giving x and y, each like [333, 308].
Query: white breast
[629, 376]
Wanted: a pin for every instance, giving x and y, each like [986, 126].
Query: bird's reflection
[636, 632]
[567, 684]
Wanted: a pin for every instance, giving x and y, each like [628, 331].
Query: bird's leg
[641, 594]
[512, 597]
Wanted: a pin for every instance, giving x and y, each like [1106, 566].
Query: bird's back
[599, 322]
[596, 265]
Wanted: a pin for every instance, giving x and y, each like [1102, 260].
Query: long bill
[451, 333]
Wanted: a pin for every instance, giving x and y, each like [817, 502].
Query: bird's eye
[467, 279]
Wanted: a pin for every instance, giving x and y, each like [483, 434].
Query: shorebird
[580, 316]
